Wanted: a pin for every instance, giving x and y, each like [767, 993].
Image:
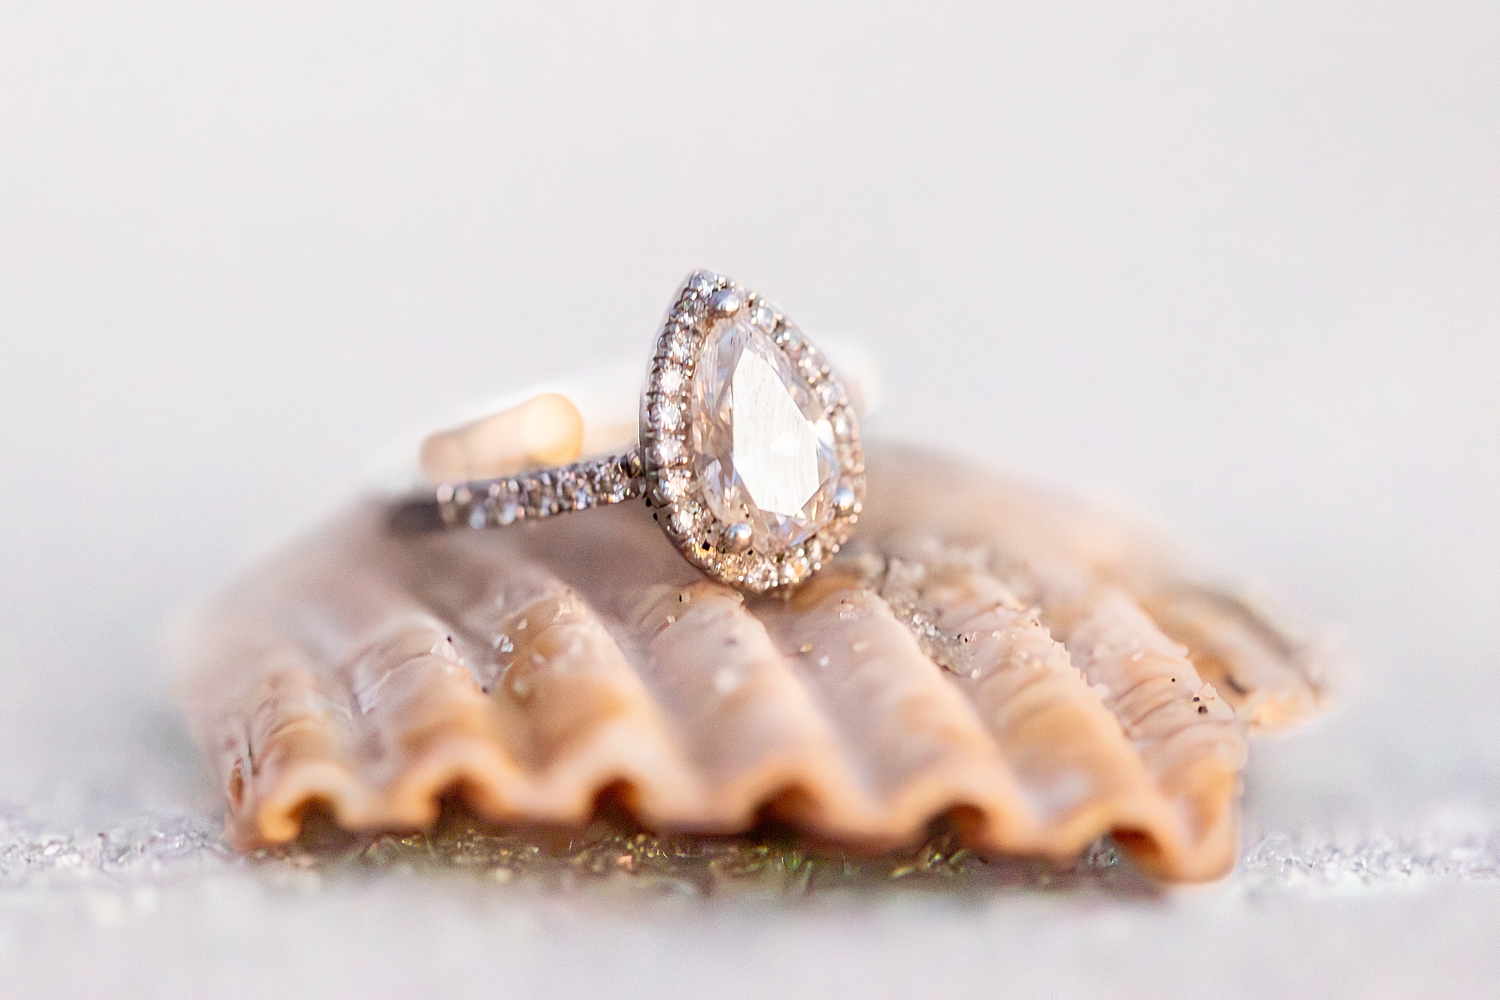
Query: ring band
[749, 448]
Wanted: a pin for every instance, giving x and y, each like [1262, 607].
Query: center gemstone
[762, 447]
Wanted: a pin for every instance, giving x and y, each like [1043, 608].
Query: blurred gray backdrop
[1235, 267]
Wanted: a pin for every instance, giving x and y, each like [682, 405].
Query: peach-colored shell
[1004, 656]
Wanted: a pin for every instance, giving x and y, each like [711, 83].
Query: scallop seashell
[1024, 665]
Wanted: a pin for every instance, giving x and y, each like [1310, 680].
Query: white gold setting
[749, 450]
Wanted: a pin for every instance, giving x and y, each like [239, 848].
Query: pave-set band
[749, 448]
[529, 495]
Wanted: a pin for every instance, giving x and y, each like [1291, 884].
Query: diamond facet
[760, 440]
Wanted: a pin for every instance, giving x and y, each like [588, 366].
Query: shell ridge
[957, 766]
[1121, 647]
[1019, 692]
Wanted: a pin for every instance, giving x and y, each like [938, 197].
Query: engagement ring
[749, 450]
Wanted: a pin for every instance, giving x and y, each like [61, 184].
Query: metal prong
[737, 537]
[725, 302]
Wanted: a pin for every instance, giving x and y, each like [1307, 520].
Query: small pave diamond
[680, 348]
[794, 569]
[761, 575]
[668, 415]
[668, 450]
[684, 521]
[764, 317]
[674, 485]
[671, 380]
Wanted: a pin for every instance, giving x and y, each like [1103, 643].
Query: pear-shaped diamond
[762, 444]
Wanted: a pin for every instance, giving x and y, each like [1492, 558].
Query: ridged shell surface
[1032, 669]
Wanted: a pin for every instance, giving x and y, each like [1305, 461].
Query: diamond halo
[757, 491]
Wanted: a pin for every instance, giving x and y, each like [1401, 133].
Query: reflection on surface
[612, 855]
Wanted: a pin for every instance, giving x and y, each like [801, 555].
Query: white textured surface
[1238, 266]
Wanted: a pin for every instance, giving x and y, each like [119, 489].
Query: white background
[1234, 266]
